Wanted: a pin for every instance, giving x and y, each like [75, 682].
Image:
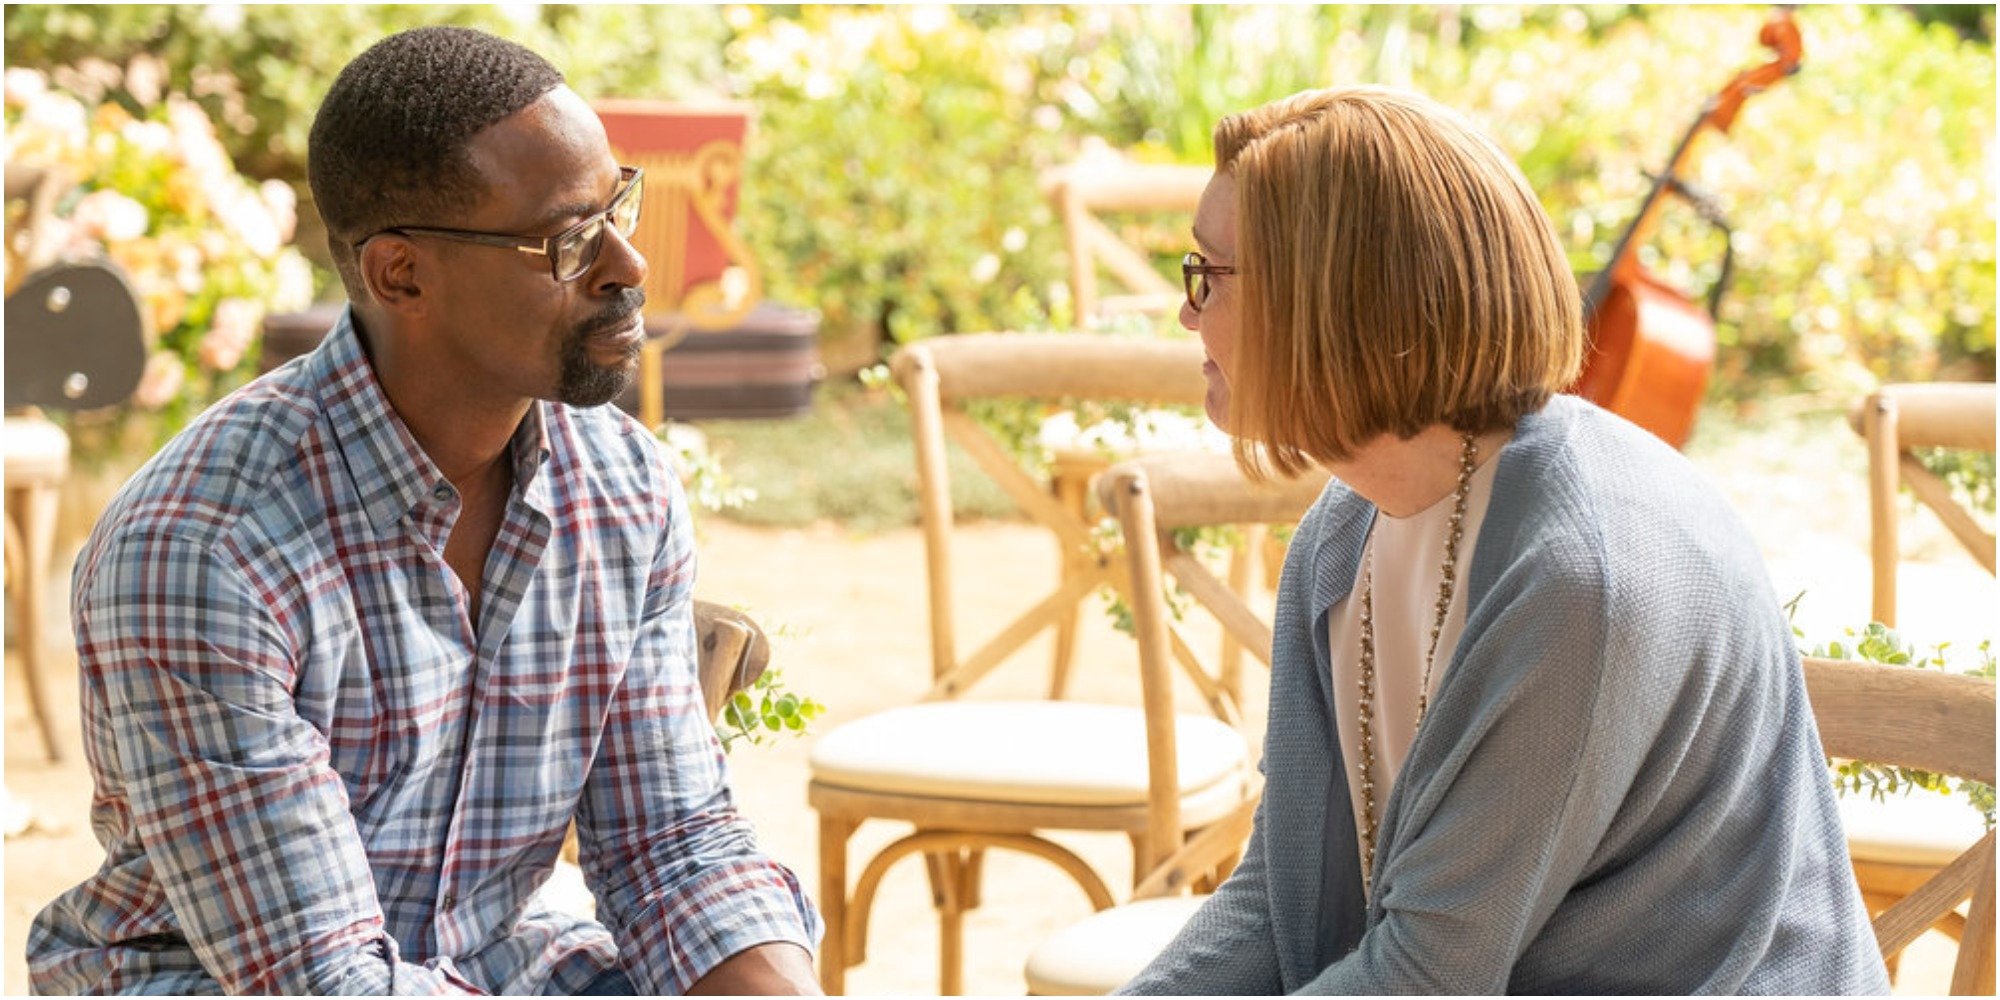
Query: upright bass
[1651, 348]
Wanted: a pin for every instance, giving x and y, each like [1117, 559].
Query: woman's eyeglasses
[570, 252]
[1195, 272]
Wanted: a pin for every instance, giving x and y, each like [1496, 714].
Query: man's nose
[619, 263]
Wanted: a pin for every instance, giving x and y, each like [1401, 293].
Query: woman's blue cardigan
[1619, 787]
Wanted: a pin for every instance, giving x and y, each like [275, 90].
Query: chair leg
[1972, 975]
[33, 510]
[1071, 490]
[833, 957]
[955, 877]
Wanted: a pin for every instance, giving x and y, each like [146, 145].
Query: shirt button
[448, 903]
[442, 492]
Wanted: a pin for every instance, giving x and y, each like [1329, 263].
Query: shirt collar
[391, 472]
[531, 456]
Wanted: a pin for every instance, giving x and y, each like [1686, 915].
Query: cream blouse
[1408, 554]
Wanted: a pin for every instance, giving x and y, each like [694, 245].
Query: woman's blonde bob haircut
[1396, 272]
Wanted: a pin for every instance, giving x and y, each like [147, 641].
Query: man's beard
[583, 382]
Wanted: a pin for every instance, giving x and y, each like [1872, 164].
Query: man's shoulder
[231, 460]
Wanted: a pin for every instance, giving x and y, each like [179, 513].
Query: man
[359, 644]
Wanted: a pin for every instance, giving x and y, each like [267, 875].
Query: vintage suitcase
[766, 366]
[288, 335]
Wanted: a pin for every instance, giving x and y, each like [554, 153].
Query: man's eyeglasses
[1195, 272]
[570, 252]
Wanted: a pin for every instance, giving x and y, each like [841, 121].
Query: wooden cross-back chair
[977, 774]
[1154, 498]
[1108, 183]
[1937, 722]
[1896, 419]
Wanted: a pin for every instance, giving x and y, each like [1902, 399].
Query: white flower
[292, 283]
[927, 18]
[284, 205]
[241, 212]
[985, 269]
[111, 216]
[151, 138]
[57, 118]
[24, 85]
[226, 18]
[820, 85]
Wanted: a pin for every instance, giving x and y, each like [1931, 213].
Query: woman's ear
[389, 270]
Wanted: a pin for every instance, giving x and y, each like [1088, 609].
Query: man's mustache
[615, 314]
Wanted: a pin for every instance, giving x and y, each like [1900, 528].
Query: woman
[1537, 723]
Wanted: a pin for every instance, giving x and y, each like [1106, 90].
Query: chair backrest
[732, 651]
[1105, 183]
[1896, 419]
[942, 375]
[941, 378]
[75, 338]
[1937, 722]
[1154, 498]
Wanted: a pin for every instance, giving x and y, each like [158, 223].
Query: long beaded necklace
[1467, 456]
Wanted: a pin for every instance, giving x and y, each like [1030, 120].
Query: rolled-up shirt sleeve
[677, 872]
[245, 823]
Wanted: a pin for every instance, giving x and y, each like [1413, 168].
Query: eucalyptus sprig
[764, 711]
[1878, 643]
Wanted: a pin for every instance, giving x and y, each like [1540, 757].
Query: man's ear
[389, 270]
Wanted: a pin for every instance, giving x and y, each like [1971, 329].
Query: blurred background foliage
[894, 163]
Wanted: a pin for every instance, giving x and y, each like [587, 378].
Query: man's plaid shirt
[314, 775]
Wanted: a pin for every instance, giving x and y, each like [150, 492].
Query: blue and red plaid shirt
[315, 775]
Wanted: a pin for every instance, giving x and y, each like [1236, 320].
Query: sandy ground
[849, 618]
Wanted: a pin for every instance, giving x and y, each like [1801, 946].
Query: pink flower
[160, 382]
[231, 330]
[145, 79]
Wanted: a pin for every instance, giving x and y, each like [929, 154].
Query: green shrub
[1861, 189]
[893, 183]
[894, 163]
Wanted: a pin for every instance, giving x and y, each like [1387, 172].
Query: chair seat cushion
[37, 451]
[1041, 752]
[1921, 828]
[1104, 951]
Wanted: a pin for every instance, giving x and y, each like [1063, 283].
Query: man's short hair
[1397, 272]
[388, 147]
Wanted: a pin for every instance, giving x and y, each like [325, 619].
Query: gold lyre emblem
[684, 190]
